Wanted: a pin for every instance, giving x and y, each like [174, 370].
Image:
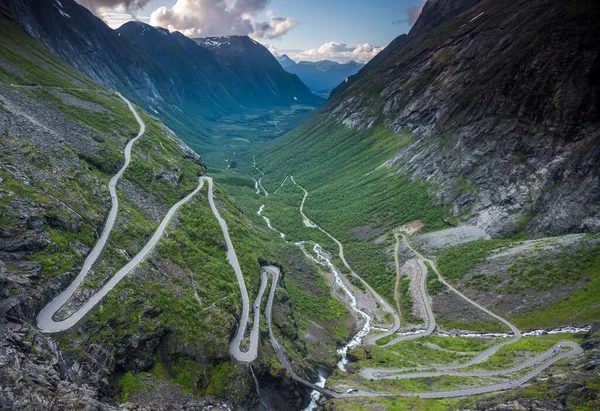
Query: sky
[339, 30]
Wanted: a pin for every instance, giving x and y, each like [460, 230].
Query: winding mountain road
[536, 364]
[386, 306]
[543, 361]
[376, 372]
[46, 322]
[235, 346]
[45, 319]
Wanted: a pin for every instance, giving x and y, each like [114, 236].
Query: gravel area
[71, 100]
[447, 238]
[411, 270]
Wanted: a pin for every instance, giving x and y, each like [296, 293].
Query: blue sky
[305, 29]
[347, 21]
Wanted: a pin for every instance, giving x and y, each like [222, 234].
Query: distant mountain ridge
[166, 73]
[320, 76]
[285, 61]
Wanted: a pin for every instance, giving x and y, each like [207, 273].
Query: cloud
[97, 6]
[333, 50]
[116, 20]
[205, 18]
[412, 14]
[275, 28]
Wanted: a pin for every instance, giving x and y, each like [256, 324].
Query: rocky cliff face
[503, 101]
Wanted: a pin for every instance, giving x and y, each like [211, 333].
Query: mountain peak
[142, 28]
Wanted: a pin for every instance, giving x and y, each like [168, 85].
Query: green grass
[402, 404]
[220, 379]
[434, 285]
[581, 307]
[541, 271]
[332, 163]
[460, 344]
[130, 383]
[410, 354]
[179, 370]
[526, 347]
[234, 135]
[322, 306]
[455, 262]
[480, 326]
[406, 302]
[383, 341]
[32, 64]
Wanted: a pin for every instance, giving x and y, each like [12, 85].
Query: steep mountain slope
[450, 131]
[435, 13]
[160, 339]
[486, 114]
[254, 66]
[502, 105]
[321, 76]
[156, 75]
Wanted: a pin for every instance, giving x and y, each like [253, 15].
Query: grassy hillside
[171, 320]
[352, 194]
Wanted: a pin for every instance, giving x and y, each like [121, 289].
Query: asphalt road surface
[45, 319]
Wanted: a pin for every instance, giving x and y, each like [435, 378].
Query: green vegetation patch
[414, 353]
[491, 326]
[514, 354]
[540, 271]
[581, 307]
[455, 262]
[130, 383]
[27, 62]
[340, 167]
[401, 404]
[434, 285]
[322, 306]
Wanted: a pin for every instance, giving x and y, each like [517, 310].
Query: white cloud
[412, 14]
[98, 6]
[275, 28]
[116, 20]
[204, 18]
[333, 50]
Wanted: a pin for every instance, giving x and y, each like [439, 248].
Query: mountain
[503, 127]
[285, 61]
[474, 140]
[163, 72]
[256, 68]
[435, 13]
[160, 339]
[321, 76]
